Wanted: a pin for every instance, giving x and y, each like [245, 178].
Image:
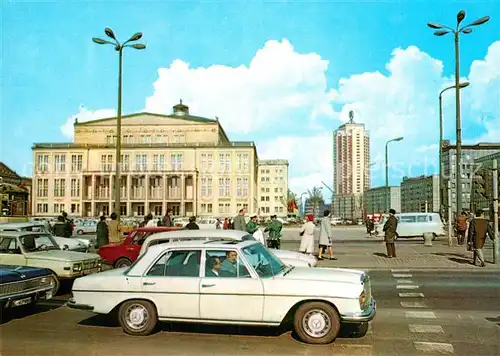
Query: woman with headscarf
[307, 233]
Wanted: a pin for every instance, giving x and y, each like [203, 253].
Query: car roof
[199, 244]
[408, 214]
[20, 224]
[20, 233]
[158, 228]
[203, 233]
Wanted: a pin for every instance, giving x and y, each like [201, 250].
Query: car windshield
[264, 262]
[38, 242]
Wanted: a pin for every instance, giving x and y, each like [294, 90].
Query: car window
[138, 238]
[265, 263]
[37, 228]
[407, 219]
[184, 263]
[38, 242]
[225, 264]
[9, 245]
[422, 218]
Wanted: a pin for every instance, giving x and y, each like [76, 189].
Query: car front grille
[24, 286]
[90, 264]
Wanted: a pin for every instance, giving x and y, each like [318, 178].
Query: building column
[92, 196]
[111, 190]
[146, 198]
[127, 191]
[195, 194]
[164, 195]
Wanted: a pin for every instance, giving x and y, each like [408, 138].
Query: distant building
[375, 202]
[273, 187]
[482, 186]
[420, 194]
[349, 206]
[469, 154]
[15, 193]
[315, 209]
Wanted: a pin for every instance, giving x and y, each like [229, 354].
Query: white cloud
[84, 115]
[277, 84]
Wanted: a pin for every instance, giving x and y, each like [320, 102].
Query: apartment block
[420, 194]
[375, 200]
[273, 187]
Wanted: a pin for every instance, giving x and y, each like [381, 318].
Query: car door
[229, 296]
[173, 283]
[10, 252]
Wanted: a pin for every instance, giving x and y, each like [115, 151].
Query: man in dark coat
[390, 228]
[167, 219]
[239, 222]
[102, 232]
[274, 229]
[476, 238]
[60, 227]
[192, 225]
[68, 225]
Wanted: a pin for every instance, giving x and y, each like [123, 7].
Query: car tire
[122, 262]
[79, 232]
[138, 317]
[316, 323]
[56, 286]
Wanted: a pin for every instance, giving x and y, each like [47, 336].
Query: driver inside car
[229, 266]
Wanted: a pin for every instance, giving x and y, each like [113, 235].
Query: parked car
[25, 286]
[126, 253]
[85, 227]
[64, 243]
[184, 281]
[40, 250]
[207, 223]
[415, 225]
[288, 257]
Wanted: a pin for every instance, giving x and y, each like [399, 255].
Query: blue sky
[288, 95]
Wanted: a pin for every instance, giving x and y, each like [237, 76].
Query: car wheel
[316, 323]
[123, 262]
[79, 232]
[57, 285]
[138, 317]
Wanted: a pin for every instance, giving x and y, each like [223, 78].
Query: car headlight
[77, 267]
[65, 247]
[45, 280]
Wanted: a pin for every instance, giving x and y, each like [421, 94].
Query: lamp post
[302, 204]
[461, 86]
[442, 30]
[387, 191]
[119, 48]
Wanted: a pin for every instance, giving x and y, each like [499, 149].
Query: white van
[414, 225]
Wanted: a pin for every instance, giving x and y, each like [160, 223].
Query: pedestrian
[226, 224]
[390, 228]
[476, 238]
[252, 225]
[239, 221]
[114, 230]
[150, 222]
[68, 225]
[369, 226]
[274, 228]
[218, 224]
[167, 219]
[192, 225]
[461, 226]
[60, 228]
[307, 236]
[102, 233]
[325, 236]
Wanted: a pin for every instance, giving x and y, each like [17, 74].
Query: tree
[315, 199]
[291, 201]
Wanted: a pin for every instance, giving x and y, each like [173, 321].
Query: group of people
[325, 236]
[108, 232]
[273, 228]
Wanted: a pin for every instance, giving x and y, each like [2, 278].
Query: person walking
[150, 222]
[102, 233]
[325, 236]
[369, 226]
[476, 238]
[274, 228]
[68, 225]
[239, 221]
[226, 224]
[60, 227]
[390, 228]
[307, 233]
[168, 221]
[252, 225]
[461, 226]
[192, 225]
[114, 230]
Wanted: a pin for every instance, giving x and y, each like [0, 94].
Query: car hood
[58, 255]
[10, 274]
[325, 274]
[71, 242]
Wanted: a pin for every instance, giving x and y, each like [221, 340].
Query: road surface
[455, 313]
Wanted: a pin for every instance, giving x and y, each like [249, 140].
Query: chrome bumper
[72, 304]
[361, 317]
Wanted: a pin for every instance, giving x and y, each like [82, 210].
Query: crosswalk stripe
[420, 315]
[402, 275]
[430, 329]
[408, 286]
[413, 305]
[399, 270]
[404, 281]
[435, 347]
[411, 295]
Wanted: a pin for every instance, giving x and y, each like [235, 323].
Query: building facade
[375, 200]
[272, 187]
[351, 158]
[15, 192]
[420, 194]
[482, 196]
[469, 154]
[181, 162]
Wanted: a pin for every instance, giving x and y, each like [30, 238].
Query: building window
[141, 162]
[176, 161]
[128, 139]
[225, 208]
[58, 208]
[42, 208]
[125, 163]
[242, 162]
[179, 138]
[225, 162]
[161, 138]
[242, 187]
[158, 162]
[76, 163]
[111, 139]
[206, 187]
[60, 163]
[146, 139]
[75, 187]
[42, 187]
[59, 187]
[225, 187]
[43, 163]
[206, 208]
[106, 163]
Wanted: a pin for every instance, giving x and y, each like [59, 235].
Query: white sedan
[227, 282]
[293, 258]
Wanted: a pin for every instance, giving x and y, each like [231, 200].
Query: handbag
[301, 233]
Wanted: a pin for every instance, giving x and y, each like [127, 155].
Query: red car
[126, 253]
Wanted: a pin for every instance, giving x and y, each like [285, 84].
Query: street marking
[400, 270]
[411, 295]
[420, 315]
[402, 275]
[409, 286]
[435, 347]
[351, 349]
[404, 281]
[431, 329]
[413, 305]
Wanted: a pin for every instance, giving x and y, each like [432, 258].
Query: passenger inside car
[213, 267]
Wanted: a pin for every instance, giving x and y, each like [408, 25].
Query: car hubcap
[316, 323]
[136, 317]
[124, 264]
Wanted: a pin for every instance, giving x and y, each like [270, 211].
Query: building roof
[383, 187]
[71, 145]
[6, 188]
[488, 158]
[414, 179]
[171, 116]
[447, 146]
[6, 172]
[272, 162]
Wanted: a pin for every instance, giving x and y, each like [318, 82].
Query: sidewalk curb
[422, 269]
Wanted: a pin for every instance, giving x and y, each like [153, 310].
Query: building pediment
[146, 119]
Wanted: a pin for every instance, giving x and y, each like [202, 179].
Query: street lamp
[302, 204]
[442, 30]
[387, 191]
[461, 86]
[119, 48]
